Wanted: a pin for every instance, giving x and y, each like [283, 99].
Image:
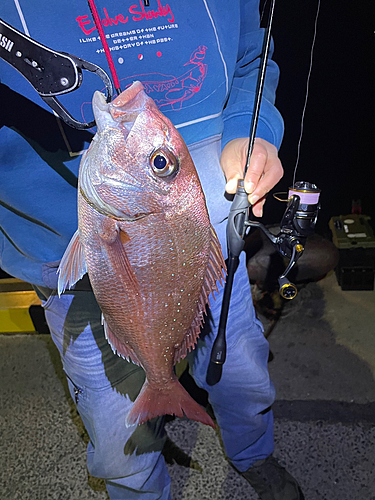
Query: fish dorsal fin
[215, 271]
[123, 350]
[72, 266]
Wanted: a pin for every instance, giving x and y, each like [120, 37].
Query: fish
[146, 241]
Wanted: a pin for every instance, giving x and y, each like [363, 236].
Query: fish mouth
[123, 110]
[119, 114]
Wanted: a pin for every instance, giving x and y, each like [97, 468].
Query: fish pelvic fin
[215, 272]
[72, 266]
[171, 400]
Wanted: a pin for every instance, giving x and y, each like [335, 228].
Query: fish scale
[145, 239]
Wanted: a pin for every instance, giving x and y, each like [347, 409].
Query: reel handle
[287, 290]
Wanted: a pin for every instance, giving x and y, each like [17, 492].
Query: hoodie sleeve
[240, 102]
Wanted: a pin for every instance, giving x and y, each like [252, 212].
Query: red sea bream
[146, 241]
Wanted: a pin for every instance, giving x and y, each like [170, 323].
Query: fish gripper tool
[50, 72]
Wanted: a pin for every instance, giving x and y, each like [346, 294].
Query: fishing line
[22, 17]
[103, 39]
[263, 11]
[307, 92]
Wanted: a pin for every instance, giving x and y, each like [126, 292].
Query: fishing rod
[298, 222]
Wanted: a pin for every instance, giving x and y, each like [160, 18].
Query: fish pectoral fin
[118, 347]
[72, 266]
[116, 240]
[124, 237]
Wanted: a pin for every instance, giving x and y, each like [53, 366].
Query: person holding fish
[126, 294]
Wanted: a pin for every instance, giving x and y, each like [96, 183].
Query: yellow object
[288, 291]
[14, 307]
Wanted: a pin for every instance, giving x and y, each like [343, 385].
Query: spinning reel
[297, 223]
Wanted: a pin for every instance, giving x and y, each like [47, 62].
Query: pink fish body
[145, 239]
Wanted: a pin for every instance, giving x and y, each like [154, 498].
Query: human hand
[264, 172]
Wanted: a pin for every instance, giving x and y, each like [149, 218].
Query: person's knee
[116, 449]
[116, 460]
[121, 451]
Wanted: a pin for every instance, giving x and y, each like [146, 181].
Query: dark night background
[337, 149]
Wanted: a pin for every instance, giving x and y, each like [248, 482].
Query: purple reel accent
[306, 198]
[307, 192]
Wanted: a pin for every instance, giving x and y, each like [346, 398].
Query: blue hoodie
[198, 60]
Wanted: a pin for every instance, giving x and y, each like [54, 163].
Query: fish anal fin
[171, 400]
[190, 338]
[122, 349]
[72, 266]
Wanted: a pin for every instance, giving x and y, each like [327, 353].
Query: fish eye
[160, 162]
[163, 163]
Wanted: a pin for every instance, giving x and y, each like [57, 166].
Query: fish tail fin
[172, 400]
